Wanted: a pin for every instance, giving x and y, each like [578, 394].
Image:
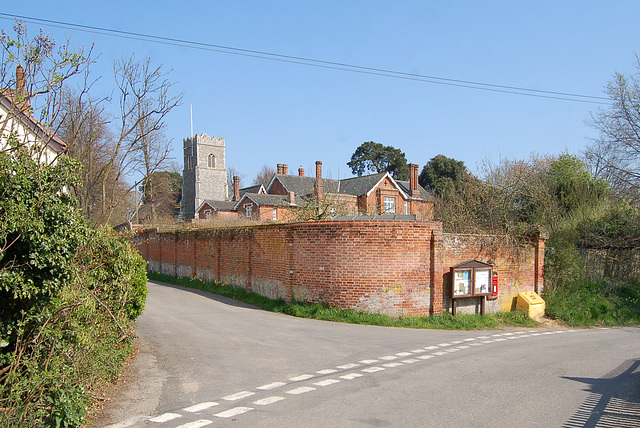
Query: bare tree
[140, 144]
[615, 154]
[264, 175]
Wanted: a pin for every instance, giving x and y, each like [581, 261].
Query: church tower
[204, 175]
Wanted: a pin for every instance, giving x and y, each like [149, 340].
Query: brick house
[375, 194]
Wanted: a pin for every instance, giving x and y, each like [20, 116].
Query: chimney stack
[285, 169]
[301, 172]
[236, 188]
[292, 198]
[318, 188]
[21, 80]
[279, 172]
[413, 180]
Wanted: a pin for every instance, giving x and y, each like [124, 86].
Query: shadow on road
[614, 400]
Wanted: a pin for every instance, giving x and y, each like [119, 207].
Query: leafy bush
[69, 296]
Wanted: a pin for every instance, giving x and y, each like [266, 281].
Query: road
[209, 361]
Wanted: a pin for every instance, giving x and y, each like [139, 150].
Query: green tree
[374, 157]
[442, 173]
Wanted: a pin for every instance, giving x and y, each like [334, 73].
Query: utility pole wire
[514, 90]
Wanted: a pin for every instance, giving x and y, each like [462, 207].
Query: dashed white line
[439, 353]
[326, 371]
[271, 386]
[403, 354]
[351, 376]
[369, 361]
[238, 396]
[301, 390]
[301, 377]
[425, 357]
[482, 337]
[500, 340]
[197, 424]
[444, 344]
[417, 351]
[200, 407]
[430, 348]
[268, 400]
[373, 369]
[476, 344]
[326, 382]
[165, 417]
[389, 357]
[233, 412]
[348, 366]
[456, 342]
[463, 346]
[469, 339]
[392, 365]
[410, 361]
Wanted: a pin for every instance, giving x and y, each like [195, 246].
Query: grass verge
[594, 303]
[320, 312]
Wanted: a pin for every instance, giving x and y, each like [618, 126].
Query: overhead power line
[515, 90]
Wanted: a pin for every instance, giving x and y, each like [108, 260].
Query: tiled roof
[269, 200]
[424, 195]
[355, 186]
[221, 205]
[34, 125]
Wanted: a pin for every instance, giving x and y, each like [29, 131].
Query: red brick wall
[391, 267]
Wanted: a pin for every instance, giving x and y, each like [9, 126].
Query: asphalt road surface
[209, 361]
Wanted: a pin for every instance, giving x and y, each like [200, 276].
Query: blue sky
[274, 112]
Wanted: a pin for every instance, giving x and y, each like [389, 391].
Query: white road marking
[430, 348]
[373, 369]
[439, 353]
[233, 412]
[508, 334]
[456, 342]
[369, 361]
[348, 366]
[326, 371]
[351, 376]
[165, 417]
[463, 346]
[197, 424]
[444, 344]
[392, 365]
[425, 357]
[403, 354]
[389, 357]
[200, 407]
[469, 339]
[238, 396]
[482, 337]
[476, 344]
[535, 334]
[326, 382]
[417, 351]
[410, 360]
[268, 400]
[271, 386]
[301, 377]
[301, 390]
[499, 340]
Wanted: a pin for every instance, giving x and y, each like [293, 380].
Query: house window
[211, 161]
[247, 210]
[389, 205]
[207, 214]
[275, 214]
[406, 207]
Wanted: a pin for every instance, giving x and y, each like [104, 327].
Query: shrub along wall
[379, 266]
